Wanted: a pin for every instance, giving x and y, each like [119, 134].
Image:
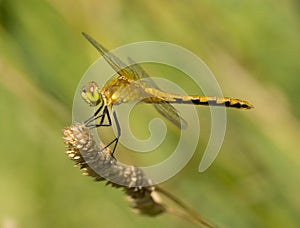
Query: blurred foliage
[251, 46]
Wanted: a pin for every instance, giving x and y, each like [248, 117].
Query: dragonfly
[128, 86]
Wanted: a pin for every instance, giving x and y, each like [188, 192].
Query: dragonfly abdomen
[155, 96]
[214, 101]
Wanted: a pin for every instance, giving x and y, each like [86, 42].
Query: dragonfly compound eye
[90, 93]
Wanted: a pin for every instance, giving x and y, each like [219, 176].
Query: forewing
[117, 65]
[164, 108]
[141, 73]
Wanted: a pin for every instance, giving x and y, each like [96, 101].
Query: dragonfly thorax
[115, 91]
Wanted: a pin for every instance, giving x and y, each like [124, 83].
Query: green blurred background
[251, 46]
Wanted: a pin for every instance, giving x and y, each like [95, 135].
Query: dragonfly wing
[164, 108]
[117, 65]
[135, 72]
[169, 112]
[139, 71]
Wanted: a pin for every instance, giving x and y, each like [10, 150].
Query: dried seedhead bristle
[96, 161]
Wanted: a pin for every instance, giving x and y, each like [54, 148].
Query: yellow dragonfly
[128, 87]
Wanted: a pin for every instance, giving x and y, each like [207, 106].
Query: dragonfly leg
[104, 114]
[118, 131]
[116, 140]
[94, 116]
[88, 122]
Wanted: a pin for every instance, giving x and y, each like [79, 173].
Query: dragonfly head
[91, 94]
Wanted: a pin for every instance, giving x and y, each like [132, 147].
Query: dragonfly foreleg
[94, 116]
[104, 114]
[87, 122]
